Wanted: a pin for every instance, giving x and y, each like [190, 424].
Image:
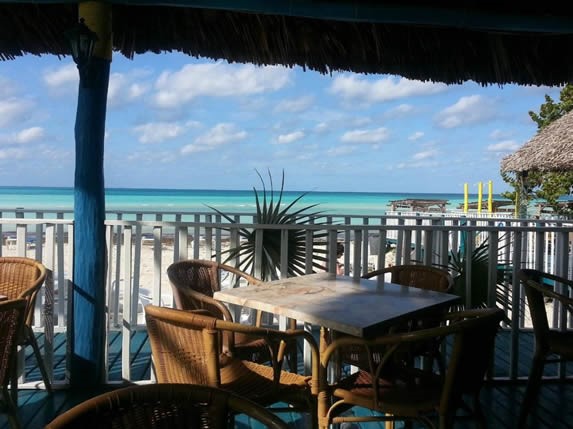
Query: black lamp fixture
[82, 42]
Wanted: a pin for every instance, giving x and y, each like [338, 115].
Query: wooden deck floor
[501, 401]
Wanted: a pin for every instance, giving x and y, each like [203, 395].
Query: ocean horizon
[230, 201]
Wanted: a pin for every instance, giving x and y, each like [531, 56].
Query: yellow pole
[490, 196]
[465, 197]
[480, 195]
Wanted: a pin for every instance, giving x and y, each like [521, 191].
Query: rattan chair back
[551, 345]
[194, 282]
[400, 391]
[186, 348]
[165, 406]
[420, 276]
[12, 314]
[22, 277]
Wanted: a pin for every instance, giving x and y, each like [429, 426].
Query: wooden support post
[87, 365]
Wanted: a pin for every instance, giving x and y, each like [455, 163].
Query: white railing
[141, 249]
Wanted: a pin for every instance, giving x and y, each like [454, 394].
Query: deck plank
[501, 401]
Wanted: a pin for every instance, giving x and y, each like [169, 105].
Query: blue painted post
[87, 365]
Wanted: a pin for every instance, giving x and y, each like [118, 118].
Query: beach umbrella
[551, 149]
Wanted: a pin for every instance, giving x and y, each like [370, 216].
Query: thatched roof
[443, 40]
[550, 150]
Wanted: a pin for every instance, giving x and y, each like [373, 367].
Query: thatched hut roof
[550, 150]
[442, 40]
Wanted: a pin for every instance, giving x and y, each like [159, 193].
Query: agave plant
[479, 276]
[272, 211]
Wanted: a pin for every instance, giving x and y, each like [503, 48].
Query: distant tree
[548, 186]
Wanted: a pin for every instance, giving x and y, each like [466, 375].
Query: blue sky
[178, 122]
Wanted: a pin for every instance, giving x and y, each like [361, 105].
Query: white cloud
[400, 110]
[467, 110]
[341, 150]
[353, 87]
[220, 134]
[216, 80]
[14, 110]
[374, 136]
[157, 132]
[121, 90]
[321, 127]
[12, 153]
[6, 87]
[64, 76]
[295, 105]
[29, 134]
[426, 154]
[290, 137]
[503, 146]
[416, 136]
[500, 135]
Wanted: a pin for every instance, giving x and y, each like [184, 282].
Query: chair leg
[532, 389]
[31, 338]
[11, 409]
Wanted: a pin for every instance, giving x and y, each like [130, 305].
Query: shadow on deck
[501, 400]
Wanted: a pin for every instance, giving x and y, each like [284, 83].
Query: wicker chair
[164, 406]
[195, 281]
[186, 348]
[551, 345]
[409, 393]
[420, 276]
[22, 278]
[12, 314]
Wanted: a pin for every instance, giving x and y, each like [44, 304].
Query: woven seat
[12, 314]
[164, 406]
[551, 345]
[186, 348]
[194, 282]
[412, 393]
[22, 278]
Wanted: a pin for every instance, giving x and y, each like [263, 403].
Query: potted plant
[272, 210]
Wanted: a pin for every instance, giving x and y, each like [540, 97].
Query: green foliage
[479, 277]
[272, 211]
[548, 186]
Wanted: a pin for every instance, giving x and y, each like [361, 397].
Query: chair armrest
[205, 299]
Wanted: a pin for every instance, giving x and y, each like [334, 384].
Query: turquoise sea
[228, 201]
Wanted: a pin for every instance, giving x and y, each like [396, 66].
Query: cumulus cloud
[13, 110]
[340, 150]
[6, 87]
[503, 146]
[65, 76]
[400, 110]
[500, 135]
[467, 110]
[353, 87]
[416, 136]
[290, 137]
[426, 154]
[220, 134]
[295, 105]
[216, 80]
[157, 132]
[122, 90]
[374, 136]
[12, 153]
[29, 135]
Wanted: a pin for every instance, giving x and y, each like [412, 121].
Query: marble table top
[357, 307]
